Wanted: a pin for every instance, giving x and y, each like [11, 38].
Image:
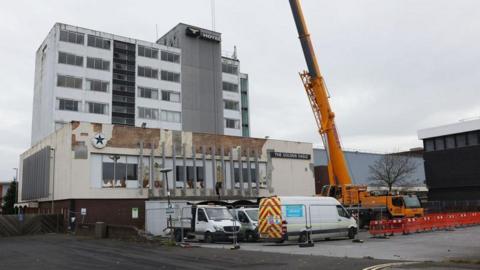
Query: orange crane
[340, 183]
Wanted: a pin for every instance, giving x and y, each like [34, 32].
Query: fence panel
[13, 225]
[451, 206]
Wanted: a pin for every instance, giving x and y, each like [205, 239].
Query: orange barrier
[427, 223]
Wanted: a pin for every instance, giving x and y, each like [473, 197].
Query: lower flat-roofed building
[103, 172]
[359, 163]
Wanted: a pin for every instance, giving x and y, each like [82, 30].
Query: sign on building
[289, 155]
[134, 213]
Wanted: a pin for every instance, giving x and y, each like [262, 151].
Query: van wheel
[303, 237]
[250, 236]
[351, 233]
[208, 238]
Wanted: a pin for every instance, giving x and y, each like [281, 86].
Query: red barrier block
[377, 227]
[395, 226]
[427, 223]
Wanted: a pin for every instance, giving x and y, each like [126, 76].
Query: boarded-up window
[36, 175]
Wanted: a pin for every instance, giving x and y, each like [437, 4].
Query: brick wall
[110, 211]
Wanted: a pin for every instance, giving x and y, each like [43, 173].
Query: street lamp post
[16, 190]
[114, 158]
[53, 184]
[165, 172]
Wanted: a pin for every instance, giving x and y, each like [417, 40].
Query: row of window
[152, 73]
[231, 87]
[152, 93]
[180, 174]
[76, 82]
[75, 105]
[75, 60]
[103, 43]
[153, 53]
[230, 105]
[101, 108]
[78, 38]
[103, 86]
[232, 123]
[125, 173]
[98, 63]
[452, 141]
[230, 68]
[166, 116]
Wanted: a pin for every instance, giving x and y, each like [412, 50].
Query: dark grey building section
[36, 175]
[201, 77]
[123, 87]
[452, 166]
[244, 107]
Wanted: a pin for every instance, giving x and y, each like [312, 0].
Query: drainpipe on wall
[53, 180]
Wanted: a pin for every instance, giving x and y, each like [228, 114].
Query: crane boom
[318, 97]
[338, 174]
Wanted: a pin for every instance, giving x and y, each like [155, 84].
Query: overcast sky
[392, 67]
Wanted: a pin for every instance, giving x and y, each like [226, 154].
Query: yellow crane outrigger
[340, 183]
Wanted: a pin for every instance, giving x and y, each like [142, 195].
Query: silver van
[248, 219]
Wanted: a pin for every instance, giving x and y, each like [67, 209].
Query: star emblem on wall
[99, 140]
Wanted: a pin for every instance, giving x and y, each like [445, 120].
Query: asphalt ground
[461, 244]
[57, 251]
[458, 249]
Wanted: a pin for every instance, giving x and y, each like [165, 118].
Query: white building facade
[91, 76]
[103, 168]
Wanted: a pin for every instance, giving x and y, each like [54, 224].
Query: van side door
[201, 222]
[344, 220]
[324, 220]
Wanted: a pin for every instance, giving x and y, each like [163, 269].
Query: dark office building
[452, 161]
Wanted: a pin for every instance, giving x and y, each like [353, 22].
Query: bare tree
[393, 170]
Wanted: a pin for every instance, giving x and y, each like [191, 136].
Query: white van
[209, 223]
[292, 218]
[248, 220]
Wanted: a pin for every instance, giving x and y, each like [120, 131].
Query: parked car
[284, 218]
[248, 219]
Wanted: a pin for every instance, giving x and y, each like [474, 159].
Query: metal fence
[451, 206]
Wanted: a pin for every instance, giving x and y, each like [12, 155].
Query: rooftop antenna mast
[212, 5]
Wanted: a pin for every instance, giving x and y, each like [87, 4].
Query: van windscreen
[252, 214]
[218, 214]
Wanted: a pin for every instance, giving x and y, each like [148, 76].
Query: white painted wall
[455, 128]
[292, 177]
[81, 178]
[45, 113]
[231, 78]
